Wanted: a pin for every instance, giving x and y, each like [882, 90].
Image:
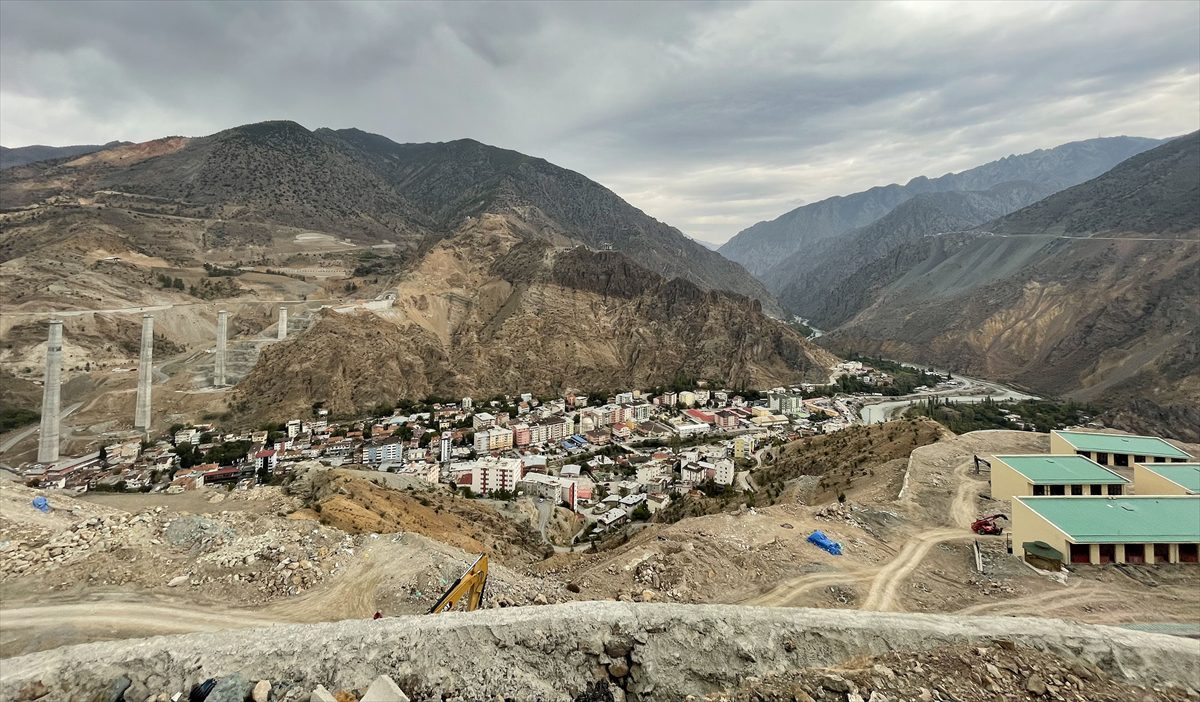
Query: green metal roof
[1068, 469]
[1186, 475]
[1122, 443]
[1114, 520]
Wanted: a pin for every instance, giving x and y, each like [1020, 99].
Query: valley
[421, 367]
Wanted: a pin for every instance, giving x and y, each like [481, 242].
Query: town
[610, 459]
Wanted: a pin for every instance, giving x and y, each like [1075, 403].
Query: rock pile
[1001, 672]
[261, 558]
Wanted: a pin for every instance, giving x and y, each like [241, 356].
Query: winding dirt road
[884, 582]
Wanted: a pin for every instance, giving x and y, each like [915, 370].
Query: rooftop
[1061, 470]
[1186, 475]
[1135, 519]
[1121, 443]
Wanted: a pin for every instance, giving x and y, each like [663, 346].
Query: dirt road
[885, 581]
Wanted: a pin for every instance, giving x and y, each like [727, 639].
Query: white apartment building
[444, 446]
[391, 452]
[482, 420]
[489, 474]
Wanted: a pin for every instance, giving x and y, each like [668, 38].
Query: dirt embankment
[357, 505]
[645, 652]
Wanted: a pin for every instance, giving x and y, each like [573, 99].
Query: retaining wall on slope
[553, 652]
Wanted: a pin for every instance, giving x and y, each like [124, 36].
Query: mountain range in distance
[1064, 271]
[19, 156]
[1086, 290]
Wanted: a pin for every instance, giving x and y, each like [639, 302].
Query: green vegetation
[220, 272]
[11, 417]
[1038, 415]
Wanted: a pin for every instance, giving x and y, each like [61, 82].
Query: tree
[641, 513]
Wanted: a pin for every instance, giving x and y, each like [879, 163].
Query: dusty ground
[911, 553]
[91, 570]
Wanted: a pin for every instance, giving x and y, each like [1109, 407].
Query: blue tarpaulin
[41, 503]
[818, 538]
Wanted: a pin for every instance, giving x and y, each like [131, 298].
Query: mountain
[1090, 293]
[462, 267]
[821, 283]
[526, 316]
[21, 155]
[371, 190]
[765, 244]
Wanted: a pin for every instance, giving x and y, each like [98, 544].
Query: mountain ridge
[763, 245]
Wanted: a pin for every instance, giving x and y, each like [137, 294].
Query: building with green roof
[1166, 478]
[1097, 530]
[1117, 449]
[1051, 474]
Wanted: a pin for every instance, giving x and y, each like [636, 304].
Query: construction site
[920, 552]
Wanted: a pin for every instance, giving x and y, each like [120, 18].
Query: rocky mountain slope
[764, 245]
[819, 282]
[1091, 293]
[489, 310]
[21, 155]
[371, 190]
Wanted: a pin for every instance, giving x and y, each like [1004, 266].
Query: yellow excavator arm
[466, 594]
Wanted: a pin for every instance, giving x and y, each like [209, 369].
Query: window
[1076, 489]
[1121, 459]
[1189, 553]
[1097, 490]
[1058, 490]
[1116, 489]
[1039, 490]
[1108, 553]
[1102, 458]
[1081, 553]
[1135, 553]
[1139, 459]
[1162, 553]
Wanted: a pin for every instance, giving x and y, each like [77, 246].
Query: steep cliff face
[763, 246]
[527, 317]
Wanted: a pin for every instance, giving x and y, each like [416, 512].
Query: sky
[708, 116]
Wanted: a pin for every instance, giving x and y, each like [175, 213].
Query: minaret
[282, 323]
[51, 396]
[219, 360]
[141, 414]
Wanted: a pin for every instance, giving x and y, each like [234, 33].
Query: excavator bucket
[466, 594]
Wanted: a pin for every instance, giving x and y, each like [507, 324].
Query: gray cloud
[709, 116]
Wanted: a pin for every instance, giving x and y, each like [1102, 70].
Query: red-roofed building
[266, 460]
[701, 416]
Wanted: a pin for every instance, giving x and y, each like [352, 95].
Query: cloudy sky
[708, 116]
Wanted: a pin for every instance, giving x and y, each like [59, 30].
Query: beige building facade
[1052, 474]
[1143, 529]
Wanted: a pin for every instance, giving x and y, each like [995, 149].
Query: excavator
[988, 526]
[466, 594]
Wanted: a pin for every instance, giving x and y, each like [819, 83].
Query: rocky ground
[599, 651]
[952, 674]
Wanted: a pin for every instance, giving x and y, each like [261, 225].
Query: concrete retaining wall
[553, 652]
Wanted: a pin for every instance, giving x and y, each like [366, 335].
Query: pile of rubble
[1000, 672]
[232, 688]
[260, 558]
